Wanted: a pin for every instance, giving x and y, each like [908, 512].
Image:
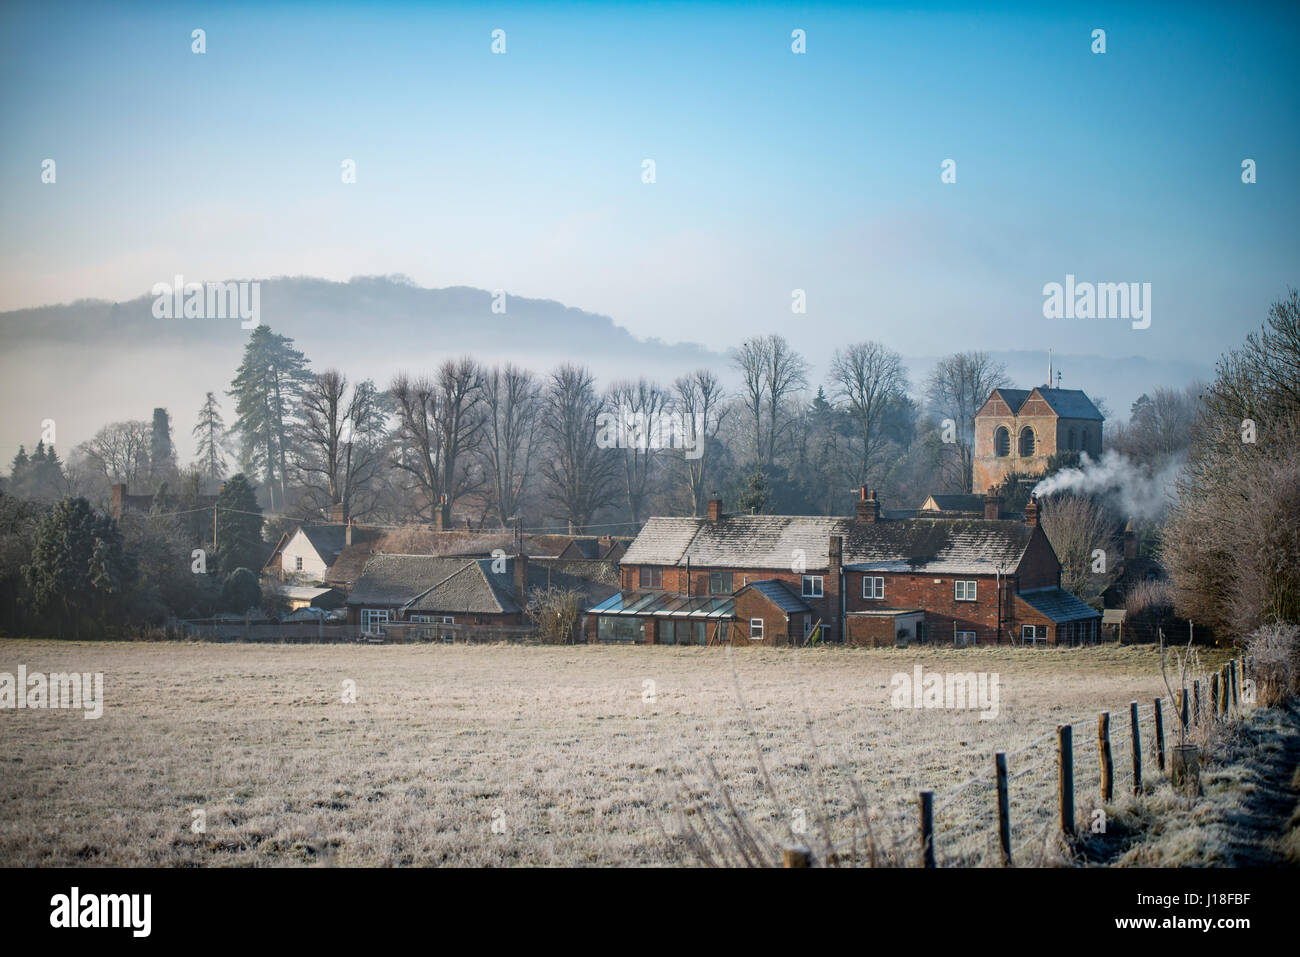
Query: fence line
[963, 825]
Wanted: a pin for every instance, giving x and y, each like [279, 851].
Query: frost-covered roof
[788, 542]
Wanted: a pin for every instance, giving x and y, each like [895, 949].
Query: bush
[1275, 663]
[240, 591]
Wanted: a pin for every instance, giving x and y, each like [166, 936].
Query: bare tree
[870, 379]
[512, 398]
[579, 472]
[1232, 543]
[439, 429]
[957, 387]
[339, 440]
[638, 408]
[1085, 540]
[120, 451]
[699, 398]
[771, 372]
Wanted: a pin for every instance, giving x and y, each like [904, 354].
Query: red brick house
[865, 580]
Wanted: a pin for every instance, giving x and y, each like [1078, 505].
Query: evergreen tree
[20, 471]
[755, 496]
[239, 526]
[211, 433]
[79, 568]
[240, 591]
[162, 454]
[267, 388]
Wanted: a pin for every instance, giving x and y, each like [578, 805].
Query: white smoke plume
[1134, 491]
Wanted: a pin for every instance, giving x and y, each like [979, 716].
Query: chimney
[868, 509]
[715, 509]
[1031, 511]
[119, 495]
[347, 533]
[992, 508]
[1130, 542]
[338, 514]
[442, 515]
[520, 568]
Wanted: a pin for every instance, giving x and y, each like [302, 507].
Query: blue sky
[775, 171]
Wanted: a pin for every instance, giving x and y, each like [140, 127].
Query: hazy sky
[775, 171]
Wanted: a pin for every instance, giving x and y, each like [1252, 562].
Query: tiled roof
[1071, 404]
[1058, 604]
[474, 588]
[1067, 403]
[397, 579]
[779, 594]
[328, 540]
[969, 546]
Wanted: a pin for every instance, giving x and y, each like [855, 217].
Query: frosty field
[492, 755]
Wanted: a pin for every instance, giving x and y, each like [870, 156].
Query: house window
[812, 586]
[724, 630]
[297, 563]
[963, 638]
[1028, 634]
[965, 591]
[873, 587]
[1001, 442]
[1026, 442]
[372, 618]
[651, 577]
[756, 629]
[720, 583]
[1074, 440]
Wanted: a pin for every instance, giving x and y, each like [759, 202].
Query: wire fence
[1053, 789]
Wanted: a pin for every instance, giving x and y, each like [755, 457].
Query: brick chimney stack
[1031, 511]
[119, 495]
[1130, 542]
[442, 515]
[715, 509]
[868, 508]
[338, 514]
[992, 508]
[347, 533]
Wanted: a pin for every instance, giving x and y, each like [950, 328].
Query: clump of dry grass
[1275, 663]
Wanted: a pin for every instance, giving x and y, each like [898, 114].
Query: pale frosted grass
[441, 738]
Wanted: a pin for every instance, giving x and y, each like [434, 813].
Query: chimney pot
[1031, 511]
[868, 507]
[992, 507]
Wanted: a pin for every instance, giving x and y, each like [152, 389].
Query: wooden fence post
[1103, 751]
[1196, 701]
[1160, 737]
[1065, 782]
[1232, 677]
[796, 857]
[1004, 808]
[1226, 694]
[1214, 696]
[1137, 747]
[927, 828]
